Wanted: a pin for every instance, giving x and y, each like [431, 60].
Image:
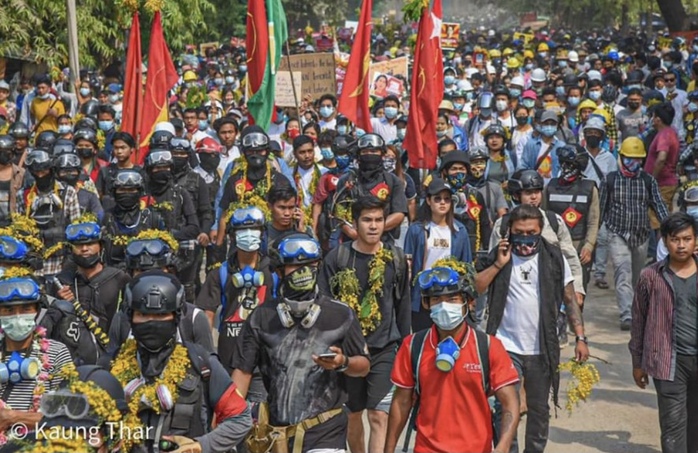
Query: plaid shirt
[624, 206]
[612, 128]
[71, 208]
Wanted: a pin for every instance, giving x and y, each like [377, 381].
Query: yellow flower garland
[72, 444]
[99, 399]
[125, 368]
[13, 271]
[347, 289]
[255, 197]
[24, 228]
[478, 237]
[584, 377]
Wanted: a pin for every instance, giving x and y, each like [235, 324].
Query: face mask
[666, 64]
[84, 92]
[524, 245]
[469, 96]
[44, 96]
[695, 48]
[85, 153]
[543, 54]
[485, 113]
[71, 177]
[458, 106]
[692, 211]
[64, 129]
[528, 103]
[161, 178]
[106, 125]
[631, 165]
[448, 80]
[127, 201]
[594, 95]
[300, 284]
[560, 90]
[44, 183]
[242, 68]
[256, 161]
[230, 80]
[528, 67]
[370, 163]
[180, 164]
[501, 105]
[457, 181]
[390, 112]
[478, 170]
[342, 130]
[203, 125]
[113, 98]
[515, 92]
[342, 161]
[636, 105]
[154, 335]
[389, 164]
[327, 153]
[692, 107]
[6, 157]
[218, 81]
[18, 327]
[573, 101]
[548, 131]
[441, 133]
[447, 316]
[593, 141]
[521, 120]
[447, 352]
[568, 172]
[209, 161]
[326, 112]
[360, 132]
[401, 133]
[86, 262]
[562, 63]
[248, 240]
[293, 133]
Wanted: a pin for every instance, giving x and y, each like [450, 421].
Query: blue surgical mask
[18, 327]
[343, 161]
[390, 112]
[203, 125]
[326, 112]
[515, 92]
[342, 130]
[447, 316]
[692, 107]
[248, 240]
[457, 106]
[360, 132]
[230, 80]
[594, 95]
[528, 103]
[243, 68]
[666, 64]
[85, 92]
[106, 125]
[548, 131]
[692, 211]
[543, 54]
[562, 63]
[449, 79]
[113, 98]
[219, 81]
[573, 101]
[401, 133]
[560, 90]
[327, 153]
[64, 129]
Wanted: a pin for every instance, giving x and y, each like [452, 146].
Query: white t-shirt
[519, 329]
[325, 125]
[438, 244]
[306, 177]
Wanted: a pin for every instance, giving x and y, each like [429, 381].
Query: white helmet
[464, 85]
[573, 56]
[594, 75]
[518, 81]
[538, 75]
[165, 126]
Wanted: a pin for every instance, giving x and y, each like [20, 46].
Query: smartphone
[328, 355]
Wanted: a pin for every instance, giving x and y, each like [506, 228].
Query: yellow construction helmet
[189, 76]
[528, 54]
[633, 147]
[586, 104]
[602, 112]
[543, 47]
[513, 63]
[495, 53]
[508, 51]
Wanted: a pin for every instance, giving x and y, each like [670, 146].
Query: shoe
[625, 325]
[601, 283]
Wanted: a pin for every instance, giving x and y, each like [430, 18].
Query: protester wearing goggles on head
[29, 359]
[69, 171]
[288, 339]
[446, 348]
[524, 270]
[485, 106]
[11, 179]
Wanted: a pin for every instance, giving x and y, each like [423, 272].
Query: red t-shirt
[668, 141]
[454, 414]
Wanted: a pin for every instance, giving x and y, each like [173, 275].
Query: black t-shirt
[298, 388]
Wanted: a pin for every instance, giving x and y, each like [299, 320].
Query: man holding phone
[286, 214]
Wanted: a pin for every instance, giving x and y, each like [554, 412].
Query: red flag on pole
[162, 77]
[353, 102]
[427, 91]
[133, 88]
[257, 44]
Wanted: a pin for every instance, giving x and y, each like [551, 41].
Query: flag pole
[293, 83]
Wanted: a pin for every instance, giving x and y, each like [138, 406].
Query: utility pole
[73, 58]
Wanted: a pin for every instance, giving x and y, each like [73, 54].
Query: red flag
[162, 77]
[353, 102]
[257, 42]
[133, 88]
[427, 91]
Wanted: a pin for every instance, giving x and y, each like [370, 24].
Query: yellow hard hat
[543, 47]
[513, 63]
[189, 76]
[528, 54]
[633, 147]
[561, 54]
[495, 53]
[508, 51]
[586, 104]
[600, 111]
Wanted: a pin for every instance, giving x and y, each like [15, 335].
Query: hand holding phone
[328, 355]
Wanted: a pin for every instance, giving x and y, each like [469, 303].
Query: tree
[674, 14]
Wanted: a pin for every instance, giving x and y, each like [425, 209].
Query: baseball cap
[436, 186]
[4, 85]
[549, 115]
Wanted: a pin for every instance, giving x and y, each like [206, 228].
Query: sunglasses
[439, 199]
[672, 80]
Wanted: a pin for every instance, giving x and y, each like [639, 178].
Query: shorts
[368, 392]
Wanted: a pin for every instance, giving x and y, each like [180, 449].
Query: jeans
[601, 254]
[678, 407]
[627, 265]
[537, 382]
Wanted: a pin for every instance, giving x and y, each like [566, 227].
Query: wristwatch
[343, 367]
[582, 338]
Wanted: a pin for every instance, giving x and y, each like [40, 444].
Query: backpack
[399, 261]
[417, 343]
[552, 220]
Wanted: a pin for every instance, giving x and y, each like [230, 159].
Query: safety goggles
[247, 216]
[159, 158]
[292, 248]
[150, 246]
[19, 288]
[255, 140]
[128, 178]
[441, 276]
[371, 141]
[12, 249]
[38, 157]
[180, 144]
[68, 161]
[88, 231]
[63, 402]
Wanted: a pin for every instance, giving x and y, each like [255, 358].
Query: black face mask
[593, 141]
[127, 201]
[180, 164]
[256, 161]
[209, 162]
[160, 181]
[370, 165]
[44, 183]
[154, 336]
[633, 105]
[85, 153]
[300, 284]
[86, 262]
[521, 120]
[71, 178]
[6, 157]
[524, 245]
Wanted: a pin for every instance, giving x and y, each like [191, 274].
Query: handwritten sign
[317, 73]
[449, 35]
[284, 90]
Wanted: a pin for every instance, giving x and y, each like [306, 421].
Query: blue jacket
[530, 155]
[415, 245]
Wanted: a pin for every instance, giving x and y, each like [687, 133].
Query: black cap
[436, 186]
[453, 157]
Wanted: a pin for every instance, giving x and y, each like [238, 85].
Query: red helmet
[208, 145]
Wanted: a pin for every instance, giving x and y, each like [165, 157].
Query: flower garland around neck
[39, 344]
[127, 371]
[249, 194]
[347, 289]
[74, 443]
[314, 181]
[34, 192]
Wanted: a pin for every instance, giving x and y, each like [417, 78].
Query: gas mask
[19, 368]
[447, 352]
[247, 278]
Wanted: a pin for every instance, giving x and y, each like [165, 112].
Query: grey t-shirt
[686, 316]
[630, 124]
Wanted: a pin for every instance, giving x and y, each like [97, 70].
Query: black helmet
[342, 144]
[90, 109]
[86, 123]
[478, 152]
[7, 143]
[85, 134]
[635, 77]
[609, 93]
[570, 80]
[45, 139]
[574, 154]
[160, 140]
[501, 90]
[370, 141]
[19, 130]
[495, 129]
[524, 180]
[148, 254]
[38, 159]
[62, 146]
[128, 179]
[154, 292]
